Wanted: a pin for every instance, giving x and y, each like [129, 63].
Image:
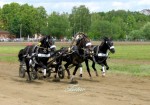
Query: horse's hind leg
[28, 71]
[93, 66]
[56, 77]
[66, 67]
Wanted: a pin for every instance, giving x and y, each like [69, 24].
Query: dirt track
[111, 90]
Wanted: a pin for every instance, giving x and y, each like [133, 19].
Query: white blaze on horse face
[112, 47]
[89, 44]
[53, 46]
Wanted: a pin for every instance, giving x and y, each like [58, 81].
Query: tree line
[27, 20]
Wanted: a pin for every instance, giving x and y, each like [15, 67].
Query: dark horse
[36, 56]
[77, 54]
[100, 55]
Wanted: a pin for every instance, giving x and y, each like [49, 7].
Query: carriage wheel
[22, 71]
[33, 74]
[61, 72]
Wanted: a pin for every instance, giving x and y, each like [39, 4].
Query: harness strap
[97, 50]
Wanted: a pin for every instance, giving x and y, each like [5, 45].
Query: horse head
[109, 44]
[83, 44]
[82, 41]
[47, 42]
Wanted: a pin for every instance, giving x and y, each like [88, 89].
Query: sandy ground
[114, 89]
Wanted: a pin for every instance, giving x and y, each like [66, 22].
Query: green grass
[9, 53]
[132, 69]
[130, 53]
[10, 49]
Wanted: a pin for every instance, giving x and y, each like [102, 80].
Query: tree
[80, 19]
[135, 35]
[146, 30]
[58, 24]
[41, 20]
[10, 17]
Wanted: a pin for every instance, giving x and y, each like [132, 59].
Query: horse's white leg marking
[72, 77]
[80, 70]
[44, 72]
[103, 71]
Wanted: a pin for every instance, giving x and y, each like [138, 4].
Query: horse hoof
[68, 77]
[73, 82]
[103, 75]
[80, 75]
[91, 78]
[28, 81]
[56, 80]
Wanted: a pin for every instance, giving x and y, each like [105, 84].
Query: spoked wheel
[33, 74]
[61, 72]
[22, 70]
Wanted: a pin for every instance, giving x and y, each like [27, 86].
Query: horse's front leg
[44, 68]
[66, 67]
[93, 66]
[103, 70]
[56, 77]
[81, 71]
[105, 63]
[74, 73]
[87, 67]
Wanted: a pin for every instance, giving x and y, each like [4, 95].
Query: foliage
[80, 19]
[58, 24]
[23, 20]
[135, 35]
[146, 30]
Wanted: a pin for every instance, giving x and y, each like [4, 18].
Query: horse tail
[20, 55]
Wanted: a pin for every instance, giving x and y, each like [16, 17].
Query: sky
[93, 5]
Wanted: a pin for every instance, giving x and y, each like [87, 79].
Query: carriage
[30, 57]
[74, 54]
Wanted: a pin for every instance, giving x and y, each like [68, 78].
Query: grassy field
[130, 58]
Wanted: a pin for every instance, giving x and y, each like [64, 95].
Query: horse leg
[66, 67]
[74, 73]
[105, 63]
[56, 78]
[103, 71]
[81, 72]
[93, 66]
[87, 67]
[44, 69]
[28, 71]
